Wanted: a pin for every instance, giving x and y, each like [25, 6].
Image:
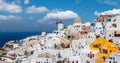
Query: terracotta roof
[64, 41]
[118, 32]
[102, 17]
[46, 55]
[5, 62]
[78, 20]
[10, 57]
[2, 49]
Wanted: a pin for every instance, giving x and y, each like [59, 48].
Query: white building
[46, 58]
[73, 59]
[98, 27]
[60, 25]
[114, 58]
[88, 55]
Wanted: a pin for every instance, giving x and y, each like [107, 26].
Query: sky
[41, 15]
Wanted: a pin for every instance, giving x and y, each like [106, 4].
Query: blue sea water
[7, 36]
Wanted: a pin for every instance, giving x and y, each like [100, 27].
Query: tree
[59, 61]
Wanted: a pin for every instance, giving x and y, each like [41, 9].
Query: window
[72, 61]
[96, 28]
[87, 61]
[105, 51]
[96, 45]
[88, 36]
[114, 25]
[76, 51]
[110, 35]
[110, 40]
[90, 55]
[114, 20]
[117, 35]
[110, 51]
[110, 58]
[104, 58]
[109, 61]
[113, 58]
[42, 49]
[97, 36]
[103, 26]
[45, 47]
[69, 37]
[108, 19]
[114, 62]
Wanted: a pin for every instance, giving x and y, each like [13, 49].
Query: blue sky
[41, 15]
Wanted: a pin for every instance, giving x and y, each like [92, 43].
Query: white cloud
[61, 15]
[26, 1]
[1, 1]
[10, 17]
[109, 2]
[34, 9]
[56, 14]
[10, 7]
[109, 12]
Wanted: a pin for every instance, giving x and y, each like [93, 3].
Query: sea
[7, 36]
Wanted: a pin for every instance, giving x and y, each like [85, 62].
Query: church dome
[78, 20]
